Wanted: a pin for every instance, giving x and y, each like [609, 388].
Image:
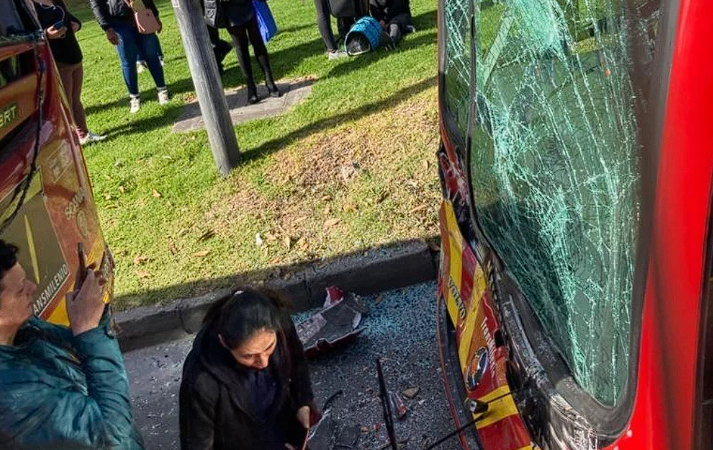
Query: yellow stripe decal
[33, 250]
[497, 411]
[492, 395]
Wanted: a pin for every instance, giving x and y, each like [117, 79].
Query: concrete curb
[365, 273]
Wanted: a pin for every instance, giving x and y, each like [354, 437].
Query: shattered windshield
[457, 70]
[555, 169]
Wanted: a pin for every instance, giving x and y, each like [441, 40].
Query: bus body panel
[58, 209]
[665, 404]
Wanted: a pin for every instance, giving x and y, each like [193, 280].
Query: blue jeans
[132, 46]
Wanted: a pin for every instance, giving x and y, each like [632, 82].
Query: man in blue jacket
[60, 388]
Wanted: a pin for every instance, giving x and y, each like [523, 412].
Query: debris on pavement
[335, 325]
[410, 393]
[397, 405]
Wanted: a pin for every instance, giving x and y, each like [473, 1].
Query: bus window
[457, 67]
[555, 170]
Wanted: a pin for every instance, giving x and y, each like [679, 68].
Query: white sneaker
[336, 54]
[140, 66]
[91, 137]
[163, 96]
[134, 104]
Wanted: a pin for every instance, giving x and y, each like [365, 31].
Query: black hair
[246, 312]
[8, 258]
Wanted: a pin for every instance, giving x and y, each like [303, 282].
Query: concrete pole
[209, 87]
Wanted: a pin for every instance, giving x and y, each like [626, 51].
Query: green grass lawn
[352, 167]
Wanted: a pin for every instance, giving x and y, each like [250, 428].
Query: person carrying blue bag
[240, 18]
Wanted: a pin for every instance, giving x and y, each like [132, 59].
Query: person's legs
[66, 73]
[324, 24]
[403, 20]
[263, 59]
[240, 38]
[221, 48]
[344, 24]
[150, 50]
[128, 51]
[80, 118]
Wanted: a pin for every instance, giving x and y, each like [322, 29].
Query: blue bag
[265, 21]
[364, 36]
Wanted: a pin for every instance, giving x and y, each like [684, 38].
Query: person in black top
[246, 382]
[240, 19]
[60, 25]
[116, 18]
[394, 17]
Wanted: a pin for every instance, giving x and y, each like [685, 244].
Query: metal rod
[453, 433]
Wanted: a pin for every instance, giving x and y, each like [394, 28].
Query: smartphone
[82, 265]
[58, 25]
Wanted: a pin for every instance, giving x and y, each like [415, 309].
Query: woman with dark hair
[245, 382]
[240, 19]
[60, 387]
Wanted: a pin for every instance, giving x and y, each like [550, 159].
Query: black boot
[264, 62]
[252, 93]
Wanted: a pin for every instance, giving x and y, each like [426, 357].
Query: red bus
[46, 202]
[576, 163]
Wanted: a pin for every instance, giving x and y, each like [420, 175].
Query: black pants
[220, 47]
[243, 36]
[396, 27]
[325, 25]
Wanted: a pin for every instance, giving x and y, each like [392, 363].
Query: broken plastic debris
[410, 392]
[397, 405]
[335, 325]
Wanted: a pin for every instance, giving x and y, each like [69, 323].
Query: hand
[56, 33]
[160, 25]
[303, 416]
[112, 36]
[383, 24]
[84, 306]
[75, 26]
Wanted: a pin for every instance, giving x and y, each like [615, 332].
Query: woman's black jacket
[214, 412]
[111, 12]
[214, 11]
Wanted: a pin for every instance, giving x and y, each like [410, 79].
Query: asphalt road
[400, 329]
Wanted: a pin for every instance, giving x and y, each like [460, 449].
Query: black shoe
[273, 90]
[252, 95]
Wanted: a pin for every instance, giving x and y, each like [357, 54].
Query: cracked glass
[457, 69]
[554, 163]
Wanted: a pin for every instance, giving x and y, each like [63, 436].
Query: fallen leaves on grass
[201, 254]
[330, 223]
[205, 236]
[419, 208]
[143, 274]
[140, 259]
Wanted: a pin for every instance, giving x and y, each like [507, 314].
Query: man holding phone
[60, 387]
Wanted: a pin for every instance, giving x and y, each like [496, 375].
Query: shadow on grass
[388, 266]
[334, 121]
[425, 21]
